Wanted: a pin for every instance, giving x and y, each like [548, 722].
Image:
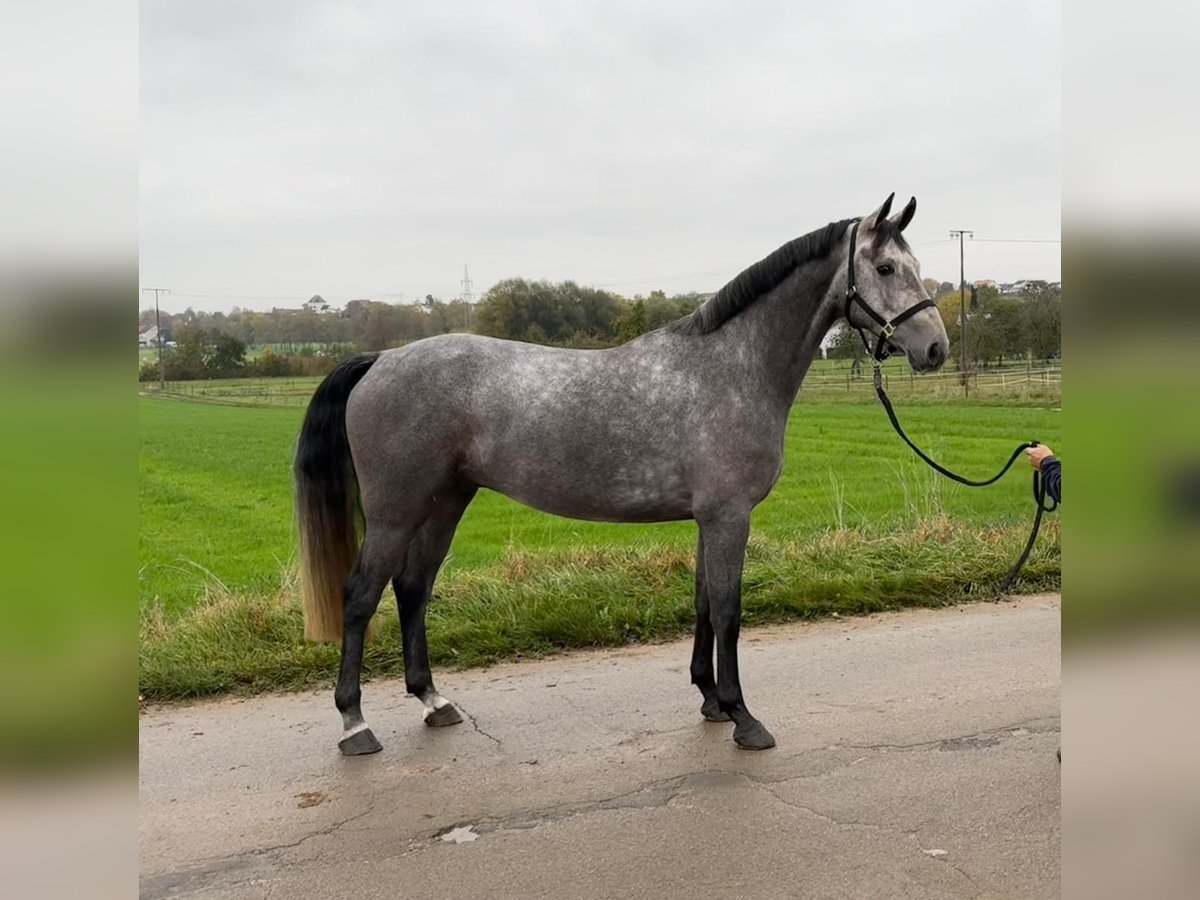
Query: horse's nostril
[935, 353]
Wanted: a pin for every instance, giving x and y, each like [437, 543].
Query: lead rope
[1039, 487]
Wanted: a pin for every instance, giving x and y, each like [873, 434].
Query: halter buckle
[888, 329]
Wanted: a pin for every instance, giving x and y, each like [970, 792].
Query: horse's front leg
[723, 538]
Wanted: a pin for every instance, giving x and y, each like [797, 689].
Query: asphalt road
[915, 758]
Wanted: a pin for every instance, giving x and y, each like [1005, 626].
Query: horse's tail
[327, 500]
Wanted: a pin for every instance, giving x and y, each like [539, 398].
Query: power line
[296, 296]
[468, 284]
[1018, 240]
[656, 278]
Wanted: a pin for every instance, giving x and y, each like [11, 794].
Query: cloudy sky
[371, 149]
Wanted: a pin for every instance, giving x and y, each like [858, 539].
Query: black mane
[766, 274]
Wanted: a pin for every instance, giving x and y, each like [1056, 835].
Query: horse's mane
[766, 274]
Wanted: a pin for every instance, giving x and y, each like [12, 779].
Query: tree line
[366, 324]
[307, 341]
[311, 342]
[999, 327]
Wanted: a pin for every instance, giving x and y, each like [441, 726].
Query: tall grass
[533, 604]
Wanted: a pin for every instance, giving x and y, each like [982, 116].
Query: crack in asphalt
[475, 725]
[664, 790]
[199, 876]
[1030, 724]
[963, 873]
[654, 794]
[658, 793]
[874, 826]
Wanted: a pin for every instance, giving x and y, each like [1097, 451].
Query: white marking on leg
[433, 701]
[351, 732]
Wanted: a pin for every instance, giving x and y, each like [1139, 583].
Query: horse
[685, 422]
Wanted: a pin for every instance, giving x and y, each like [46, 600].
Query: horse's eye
[885, 269]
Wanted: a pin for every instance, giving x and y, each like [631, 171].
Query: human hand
[1038, 454]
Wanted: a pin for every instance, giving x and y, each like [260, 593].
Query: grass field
[856, 523]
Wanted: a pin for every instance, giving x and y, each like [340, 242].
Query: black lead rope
[1039, 487]
[881, 352]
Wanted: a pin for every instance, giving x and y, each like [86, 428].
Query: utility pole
[962, 234]
[162, 381]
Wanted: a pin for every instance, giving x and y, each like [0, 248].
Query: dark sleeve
[1052, 478]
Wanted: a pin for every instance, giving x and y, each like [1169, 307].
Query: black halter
[886, 328]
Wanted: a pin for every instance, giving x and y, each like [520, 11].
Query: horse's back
[597, 434]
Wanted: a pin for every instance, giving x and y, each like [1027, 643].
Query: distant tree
[846, 344]
[186, 359]
[994, 329]
[380, 329]
[499, 313]
[512, 307]
[535, 335]
[224, 354]
[632, 322]
[1042, 321]
[203, 353]
[949, 304]
[687, 303]
[597, 313]
[660, 310]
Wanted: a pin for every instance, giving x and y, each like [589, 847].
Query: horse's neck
[782, 331]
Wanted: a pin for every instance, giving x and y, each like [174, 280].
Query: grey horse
[686, 422]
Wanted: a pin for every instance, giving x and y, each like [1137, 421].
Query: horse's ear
[906, 214]
[879, 215]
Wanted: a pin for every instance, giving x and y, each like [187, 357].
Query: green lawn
[215, 490]
[857, 523]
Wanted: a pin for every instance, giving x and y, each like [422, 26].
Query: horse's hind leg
[413, 587]
[382, 551]
[702, 649]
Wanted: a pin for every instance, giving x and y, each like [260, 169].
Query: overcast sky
[370, 149]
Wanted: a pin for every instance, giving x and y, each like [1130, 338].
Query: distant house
[148, 336]
[985, 283]
[315, 303]
[1018, 288]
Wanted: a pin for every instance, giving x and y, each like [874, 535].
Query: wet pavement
[915, 758]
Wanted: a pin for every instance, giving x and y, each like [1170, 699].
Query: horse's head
[887, 278]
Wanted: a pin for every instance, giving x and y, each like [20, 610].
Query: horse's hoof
[711, 710]
[753, 737]
[359, 744]
[443, 715]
